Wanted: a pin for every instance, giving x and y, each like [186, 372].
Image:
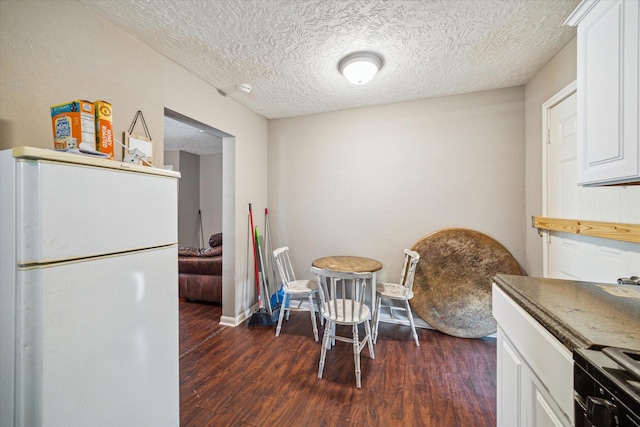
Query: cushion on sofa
[199, 252]
[215, 240]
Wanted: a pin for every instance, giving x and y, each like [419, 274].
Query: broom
[260, 317]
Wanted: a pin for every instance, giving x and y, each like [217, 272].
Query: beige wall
[200, 189]
[366, 181]
[43, 63]
[372, 181]
[211, 193]
[188, 195]
[553, 77]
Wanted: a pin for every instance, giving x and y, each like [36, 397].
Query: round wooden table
[452, 286]
[352, 264]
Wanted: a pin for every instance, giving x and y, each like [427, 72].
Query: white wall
[53, 52]
[367, 181]
[200, 189]
[172, 158]
[211, 193]
[188, 196]
[372, 181]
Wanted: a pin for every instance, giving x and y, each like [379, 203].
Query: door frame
[556, 99]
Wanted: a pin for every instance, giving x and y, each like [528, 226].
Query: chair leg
[317, 300]
[367, 327]
[413, 326]
[282, 310]
[376, 320]
[313, 317]
[356, 354]
[325, 345]
[333, 336]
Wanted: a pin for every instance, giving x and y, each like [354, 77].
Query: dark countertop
[579, 314]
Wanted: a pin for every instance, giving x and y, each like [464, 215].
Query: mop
[260, 317]
[278, 295]
[262, 273]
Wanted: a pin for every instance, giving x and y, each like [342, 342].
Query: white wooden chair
[403, 292]
[342, 303]
[298, 294]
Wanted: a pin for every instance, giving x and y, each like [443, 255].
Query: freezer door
[67, 211]
[99, 342]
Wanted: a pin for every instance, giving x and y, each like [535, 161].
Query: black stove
[607, 387]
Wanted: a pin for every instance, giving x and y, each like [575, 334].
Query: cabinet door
[509, 376]
[544, 412]
[608, 93]
[522, 398]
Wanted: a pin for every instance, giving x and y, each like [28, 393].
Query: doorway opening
[205, 158]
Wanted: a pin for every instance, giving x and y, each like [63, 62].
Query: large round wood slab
[452, 286]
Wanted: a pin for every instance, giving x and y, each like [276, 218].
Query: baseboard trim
[239, 319]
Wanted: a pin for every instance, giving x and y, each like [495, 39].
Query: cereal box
[104, 128]
[75, 119]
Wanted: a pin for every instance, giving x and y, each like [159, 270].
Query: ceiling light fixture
[360, 67]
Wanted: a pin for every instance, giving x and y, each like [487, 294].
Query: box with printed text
[104, 128]
[75, 119]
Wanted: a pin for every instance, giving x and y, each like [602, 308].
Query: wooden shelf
[603, 230]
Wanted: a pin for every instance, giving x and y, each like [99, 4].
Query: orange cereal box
[104, 128]
[75, 119]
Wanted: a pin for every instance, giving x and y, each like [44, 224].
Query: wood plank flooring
[247, 377]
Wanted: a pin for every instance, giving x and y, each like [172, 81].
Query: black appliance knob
[601, 412]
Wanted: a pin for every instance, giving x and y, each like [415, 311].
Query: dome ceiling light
[360, 67]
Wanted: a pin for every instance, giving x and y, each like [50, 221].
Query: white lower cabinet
[535, 371]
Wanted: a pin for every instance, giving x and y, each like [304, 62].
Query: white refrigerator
[88, 292]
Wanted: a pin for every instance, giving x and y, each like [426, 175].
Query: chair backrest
[411, 259]
[342, 294]
[284, 265]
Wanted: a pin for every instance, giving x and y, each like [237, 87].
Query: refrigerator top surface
[33, 153]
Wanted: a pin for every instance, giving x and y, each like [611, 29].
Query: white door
[572, 256]
[562, 140]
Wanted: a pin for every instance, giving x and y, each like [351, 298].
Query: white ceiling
[182, 136]
[288, 50]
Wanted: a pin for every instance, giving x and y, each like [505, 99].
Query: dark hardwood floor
[247, 377]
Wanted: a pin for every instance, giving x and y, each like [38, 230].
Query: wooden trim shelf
[603, 230]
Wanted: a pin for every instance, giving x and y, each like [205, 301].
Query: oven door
[600, 399]
[596, 412]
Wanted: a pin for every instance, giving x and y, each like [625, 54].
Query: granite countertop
[579, 314]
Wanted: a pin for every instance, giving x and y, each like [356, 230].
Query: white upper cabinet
[608, 101]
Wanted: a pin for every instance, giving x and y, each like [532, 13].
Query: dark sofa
[200, 271]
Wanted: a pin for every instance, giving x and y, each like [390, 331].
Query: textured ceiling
[182, 136]
[288, 50]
